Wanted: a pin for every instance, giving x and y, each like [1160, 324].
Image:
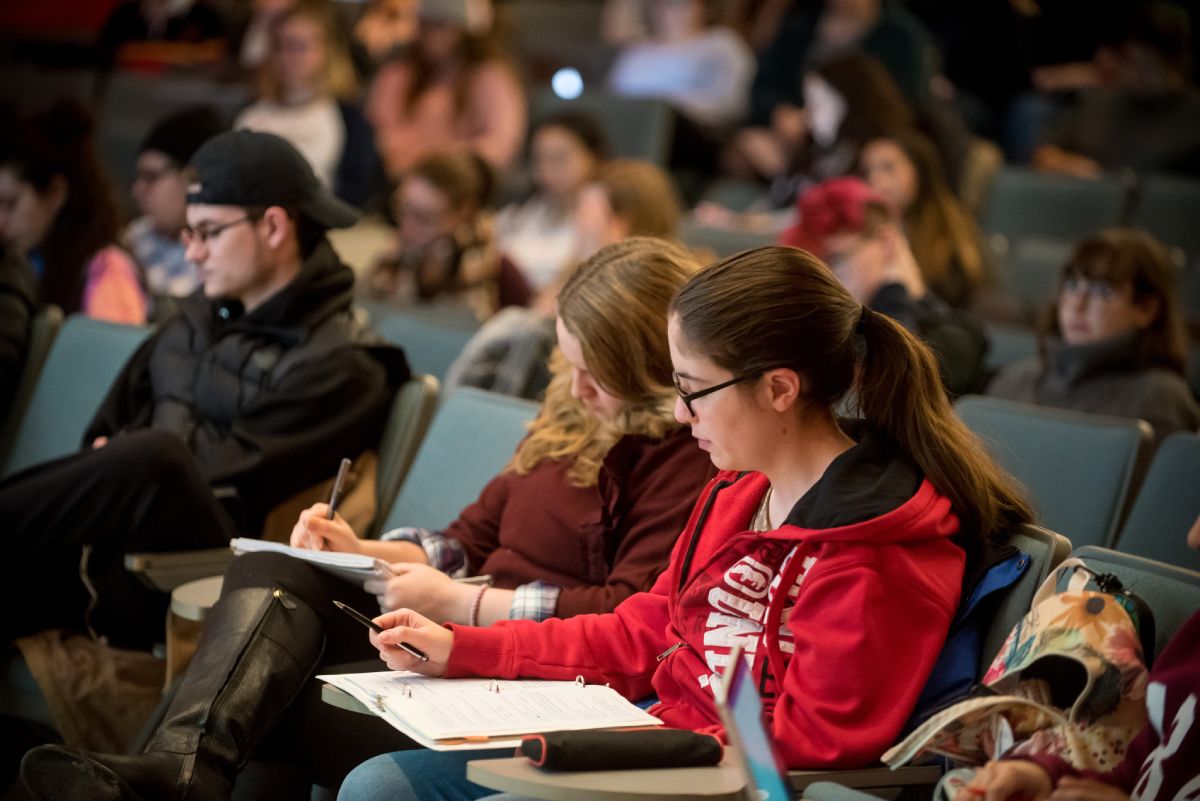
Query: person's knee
[380, 778]
[153, 455]
[266, 569]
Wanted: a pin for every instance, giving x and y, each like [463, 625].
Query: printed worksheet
[449, 714]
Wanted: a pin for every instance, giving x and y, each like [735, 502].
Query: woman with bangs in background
[1113, 340]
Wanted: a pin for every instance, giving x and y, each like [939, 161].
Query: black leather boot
[258, 648]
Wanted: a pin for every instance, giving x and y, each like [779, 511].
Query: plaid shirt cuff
[534, 601]
[444, 553]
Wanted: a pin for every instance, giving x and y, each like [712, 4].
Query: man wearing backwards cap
[251, 392]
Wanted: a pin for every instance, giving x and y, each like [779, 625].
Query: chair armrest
[166, 571]
[336, 696]
[868, 778]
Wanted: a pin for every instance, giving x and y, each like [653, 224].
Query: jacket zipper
[686, 568]
[670, 651]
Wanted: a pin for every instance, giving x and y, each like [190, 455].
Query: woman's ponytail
[900, 394]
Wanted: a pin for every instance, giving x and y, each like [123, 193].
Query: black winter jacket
[18, 288]
[268, 402]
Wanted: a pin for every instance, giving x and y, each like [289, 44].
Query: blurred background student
[849, 100]
[1113, 339]
[848, 226]
[385, 29]
[58, 209]
[541, 233]
[701, 68]
[510, 352]
[445, 249]
[451, 90]
[905, 171]
[307, 91]
[160, 191]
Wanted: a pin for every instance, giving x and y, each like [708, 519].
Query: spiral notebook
[472, 714]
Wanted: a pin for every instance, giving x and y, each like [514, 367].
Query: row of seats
[472, 434]
[470, 439]
[1092, 477]
[1026, 204]
[1083, 471]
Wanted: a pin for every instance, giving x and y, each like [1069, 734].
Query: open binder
[473, 714]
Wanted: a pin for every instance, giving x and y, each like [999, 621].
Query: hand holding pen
[405, 627]
[319, 527]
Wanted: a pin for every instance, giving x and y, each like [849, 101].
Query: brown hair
[615, 303]
[940, 231]
[457, 175]
[873, 100]
[642, 195]
[339, 79]
[780, 307]
[1123, 257]
[59, 143]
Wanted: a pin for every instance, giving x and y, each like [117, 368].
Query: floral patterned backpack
[1070, 680]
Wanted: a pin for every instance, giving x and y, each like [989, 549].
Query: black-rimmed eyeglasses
[203, 234]
[688, 397]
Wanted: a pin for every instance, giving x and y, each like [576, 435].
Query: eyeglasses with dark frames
[688, 397]
[202, 235]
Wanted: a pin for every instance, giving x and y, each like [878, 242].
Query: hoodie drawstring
[775, 612]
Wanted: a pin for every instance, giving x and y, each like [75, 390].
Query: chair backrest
[43, 328]
[86, 357]
[1009, 343]
[722, 241]
[636, 128]
[1078, 468]
[432, 337]
[1023, 203]
[407, 423]
[1173, 593]
[472, 437]
[1046, 551]
[1167, 207]
[1167, 505]
[1031, 268]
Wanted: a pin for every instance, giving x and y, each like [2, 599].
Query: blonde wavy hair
[616, 304]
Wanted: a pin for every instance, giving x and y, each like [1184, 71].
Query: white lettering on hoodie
[739, 610]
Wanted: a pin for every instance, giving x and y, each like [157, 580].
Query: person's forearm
[395, 551]
[494, 606]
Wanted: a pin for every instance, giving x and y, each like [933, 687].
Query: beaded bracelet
[476, 602]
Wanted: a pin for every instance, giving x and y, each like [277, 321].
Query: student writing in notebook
[831, 550]
[583, 516]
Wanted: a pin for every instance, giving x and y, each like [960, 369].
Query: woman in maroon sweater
[584, 515]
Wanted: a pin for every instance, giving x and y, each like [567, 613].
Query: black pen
[335, 494]
[375, 627]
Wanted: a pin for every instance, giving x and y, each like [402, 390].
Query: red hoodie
[873, 581]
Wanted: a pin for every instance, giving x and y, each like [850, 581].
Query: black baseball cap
[252, 168]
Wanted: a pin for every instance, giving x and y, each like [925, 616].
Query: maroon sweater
[601, 544]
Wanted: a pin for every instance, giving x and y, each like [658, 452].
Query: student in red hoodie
[832, 551]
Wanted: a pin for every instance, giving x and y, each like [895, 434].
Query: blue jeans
[420, 775]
